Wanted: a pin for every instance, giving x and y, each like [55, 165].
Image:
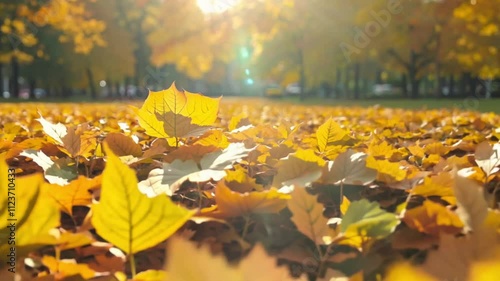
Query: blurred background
[334, 49]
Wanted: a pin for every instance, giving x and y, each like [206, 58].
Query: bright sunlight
[215, 6]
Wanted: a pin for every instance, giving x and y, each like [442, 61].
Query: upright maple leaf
[172, 113]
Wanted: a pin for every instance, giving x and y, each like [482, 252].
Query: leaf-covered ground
[186, 187]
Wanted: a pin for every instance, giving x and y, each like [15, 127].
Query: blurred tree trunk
[32, 85]
[473, 87]
[338, 82]
[452, 85]
[464, 84]
[404, 84]
[440, 85]
[92, 88]
[346, 83]
[302, 74]
[378, 76]
[357, 70]
[117, 89]
[1, 79]
[412, 74]
[14, 80]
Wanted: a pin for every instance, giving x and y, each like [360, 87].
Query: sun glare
[215, 6]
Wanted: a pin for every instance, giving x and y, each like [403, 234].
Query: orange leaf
[433, 218]
[233, 204]
[64, 268]
[76, 193]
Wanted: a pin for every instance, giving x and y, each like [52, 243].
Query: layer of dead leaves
[278, 190]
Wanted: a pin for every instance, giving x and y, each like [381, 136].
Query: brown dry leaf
[233, 204]
[189, 152]
[457, 255]
[157, 147]
[123, 145]
[76, 140]
[79, 140]
[308, 215]
[349, 168]
[471, 202]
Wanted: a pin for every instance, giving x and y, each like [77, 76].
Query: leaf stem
[132, 265]
[200, 195]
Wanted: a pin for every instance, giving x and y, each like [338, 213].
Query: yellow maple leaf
[175, 113]
[381, 150]
[386, 168]
[331, 134]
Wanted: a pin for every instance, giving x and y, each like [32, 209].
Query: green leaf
[128, 219]
[366, 218]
